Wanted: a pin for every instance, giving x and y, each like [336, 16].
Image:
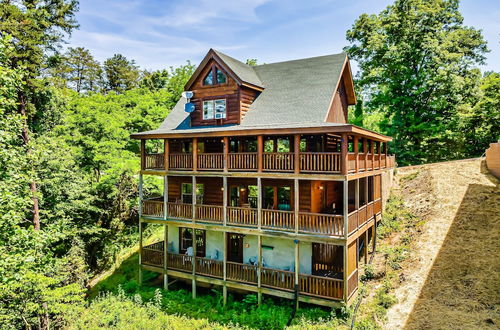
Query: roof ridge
[301, 59]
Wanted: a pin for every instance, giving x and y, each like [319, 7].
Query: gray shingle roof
[296, 94]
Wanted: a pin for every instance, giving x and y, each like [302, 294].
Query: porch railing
[242, 161]
[179, 262]
[275, 278]
[153, 254]
[152, 208]
[377, 206]
[278, 161]
[351, 162]
[242, 216]
[241, 273]
[210, 213]
[352, 282]
[155, 161]
[352, 221]
[209, 267]
[180, 161]
[317, 223]
[320, 286]
[277, 219]
[211, 161]
[320, 162]
[179, 210]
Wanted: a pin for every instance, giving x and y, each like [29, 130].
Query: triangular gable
[337, 112]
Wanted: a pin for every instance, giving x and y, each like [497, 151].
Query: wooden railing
[242, 161]
[276, 219]
[362, 215]
[368, 163]
[369, 210]
[242, 216]
[180, 161]
[241, 273]
[320, 162]
[352, 282]
[210, 213]
[352, 221]
[377, 206]
[152, 254]
[209, 267]
[362, 162]
[155, 161]
[152, 208]
[320, 286]
[211, 161]
[317, 223]
[351, 162]
[275, 278]
[278, 161]
[179, 210]
[179, 261]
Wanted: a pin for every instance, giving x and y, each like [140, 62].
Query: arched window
[214, 77]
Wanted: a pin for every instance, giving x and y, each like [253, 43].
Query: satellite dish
[187, 94]
[189, 107]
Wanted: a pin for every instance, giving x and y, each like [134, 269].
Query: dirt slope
[451, 280]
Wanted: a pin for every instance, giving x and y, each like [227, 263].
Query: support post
[296, 204]
[259, 269]
[224, 270]
[372, 151]
[165, 197]
[356, 153]
[344, 273]
[297, 271]
[356, 198]
[345, 202]
[140, 251]
[226, 153]
[193, 197]
[366, 247]
[224, 200]
[259, 203]
[143, 154]
[166, 153]
[386, 157]
[165, 257]
[365, 153]
[260, 150]
[141, 194]
[343, 152]
[193, 283]
[296, 153]
[195, 154]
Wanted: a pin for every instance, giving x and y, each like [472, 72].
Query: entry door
[235, 248]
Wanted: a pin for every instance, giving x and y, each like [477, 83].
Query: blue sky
[162, 33]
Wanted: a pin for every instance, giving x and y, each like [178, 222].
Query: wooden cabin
[262, 170]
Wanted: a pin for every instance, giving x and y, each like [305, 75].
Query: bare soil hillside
[452, 278]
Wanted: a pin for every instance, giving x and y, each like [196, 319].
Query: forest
[68, 168]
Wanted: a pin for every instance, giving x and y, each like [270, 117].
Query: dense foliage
[418, 69]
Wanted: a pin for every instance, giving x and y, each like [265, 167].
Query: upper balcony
[299, 154]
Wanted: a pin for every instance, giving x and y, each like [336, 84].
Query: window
[186, 241]
[221, 77]
[209, 78]
[214, 109]
[214, 77]
[187, 193]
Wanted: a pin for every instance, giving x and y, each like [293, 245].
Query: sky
[162, 33]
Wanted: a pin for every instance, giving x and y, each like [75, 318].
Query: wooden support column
[143, 154]
[365, 152]
[165, 197]
[166, 153]
[224, 270]
[259, 269]
[141, 194]
[260, 150]
[275, 198]
[356, 153]
[343, 152]
[386, 156]
[344, 284]
[296, 151]
[193, 194]
[366, 190]
[140, 251]
[372, 151]
[193, 283]
[296, 204]
[165, 257]
[297, 271]
[366, 247]
[224, 200]
[195, 154]
[356, 198]
[259, 203]
[345, 202]
[226, 153]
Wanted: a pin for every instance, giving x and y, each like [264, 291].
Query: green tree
[251, 61]
[417, 60]
[81, 71]
[121, 74]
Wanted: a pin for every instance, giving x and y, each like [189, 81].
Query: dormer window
[214, 109]
[214, 77]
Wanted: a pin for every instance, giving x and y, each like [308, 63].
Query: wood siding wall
[338, 110]
[247, 96]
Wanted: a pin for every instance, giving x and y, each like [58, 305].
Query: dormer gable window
[214, 109]
[214, 77]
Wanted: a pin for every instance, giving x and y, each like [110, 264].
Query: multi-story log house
[261, 169]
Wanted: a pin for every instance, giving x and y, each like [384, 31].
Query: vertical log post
[297, 271]
[296, 153]
[165, 258]
[260, 150]
[140, 251]
[259, 203]
[296, 204]
[345, 202]
[195, 154]
[356, 153]
[372, 151]
[193, 283]
[224, 271]
[166, 153]
[356, 198]
[259, 269]
[343, 152]
[165, 197]
[366, 247]
[386, 156]
[143, 154]
[224, 200]
[344, 273]
[226, 153]
[365, 152]
[193, 197]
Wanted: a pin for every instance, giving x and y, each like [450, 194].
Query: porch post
[296, 204]
[143, 154]
[226, 153]
[224, 200]
[296, 150]
[356, 198]
[372, 151]
[365, 152]
[259, 269]
[165, 197]
[193, 283]
[224, 270]
[140, 251]
[356, 152]
[344, 273]
[193, 194]
[195, 154]
[366, 247]
[166, 153]
[343, 151]
[259, 203]
[141, 197]
[385, 152]
[260, 150]
[297, 271]
[165, 259]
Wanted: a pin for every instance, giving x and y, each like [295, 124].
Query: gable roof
[295, 93]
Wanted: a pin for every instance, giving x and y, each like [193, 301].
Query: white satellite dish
[187, 94]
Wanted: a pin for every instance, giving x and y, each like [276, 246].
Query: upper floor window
[214, 109]
[214, 77]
